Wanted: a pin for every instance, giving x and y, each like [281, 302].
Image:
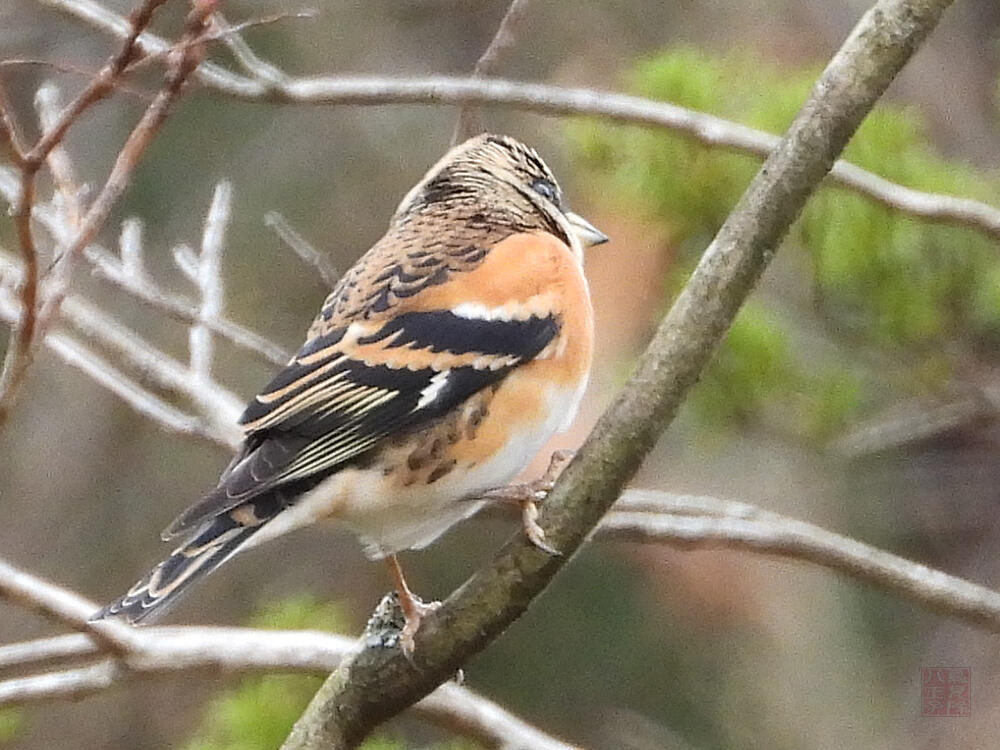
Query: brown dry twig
[469, 117]
[29, 162]
[181, 64]
[22, 334]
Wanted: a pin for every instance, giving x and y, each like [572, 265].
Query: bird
[435, 371]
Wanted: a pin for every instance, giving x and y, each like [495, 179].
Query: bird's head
[498, 181]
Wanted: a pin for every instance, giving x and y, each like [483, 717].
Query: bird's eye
[545, 189]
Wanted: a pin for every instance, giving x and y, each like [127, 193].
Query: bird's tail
[218, 540]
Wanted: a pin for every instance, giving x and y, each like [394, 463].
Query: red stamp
[945, 691]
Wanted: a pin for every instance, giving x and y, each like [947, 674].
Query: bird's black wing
[348, 389]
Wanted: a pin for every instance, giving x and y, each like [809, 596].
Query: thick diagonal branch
[377, 682]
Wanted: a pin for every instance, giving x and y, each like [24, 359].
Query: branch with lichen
[376, 683]
[125, 654]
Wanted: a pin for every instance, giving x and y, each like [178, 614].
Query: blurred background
[854, 391]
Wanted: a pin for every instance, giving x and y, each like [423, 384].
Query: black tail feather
[211, 546]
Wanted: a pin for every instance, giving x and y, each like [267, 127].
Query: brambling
[436, 369]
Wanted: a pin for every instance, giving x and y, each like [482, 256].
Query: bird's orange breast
[524, 275]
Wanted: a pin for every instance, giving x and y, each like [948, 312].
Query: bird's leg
[528, 494]
[413, 607]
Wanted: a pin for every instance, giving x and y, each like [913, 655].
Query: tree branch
[306, 252]
[218, 405]
[127, 274]
[549, 100]
[376, 682]
[32, 320]
[165, 650]
[707, 522]
[469, 120]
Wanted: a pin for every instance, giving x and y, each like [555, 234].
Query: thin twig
[99, 87]
[226, 36]
[142, 401]
[80, 72]
[653, 516]
[145, 403]
[62, 606]
[182, 309]
[555, 101]
[697, 521]
[209, 280]
[47, 102]
[302, 248]
[216, 402]
[180, 67]
[32, 320]
[23, 332]
[244, 53]
[126, 273]
[469, 117]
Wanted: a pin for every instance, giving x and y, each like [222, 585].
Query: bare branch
[487, 723]
[180, 68]
[709, 522]
[244, 53]
[128, 275]
[469, 118]
[62, 606]
[99, 87]
[18, 353]
[647, 516]
[47, 102]
[209, 280]
[164, 650]
[46, 651]
[31, 319]
[302, 248]
[144, 402]
[220, 406]
[556, 101]
[81, 72]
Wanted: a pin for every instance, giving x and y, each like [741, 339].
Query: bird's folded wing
[350, 388]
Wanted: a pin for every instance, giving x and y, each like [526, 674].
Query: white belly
[389, 518]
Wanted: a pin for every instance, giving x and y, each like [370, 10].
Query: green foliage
[880, 278]
[11, 725]
[259, 713]
[755, 363]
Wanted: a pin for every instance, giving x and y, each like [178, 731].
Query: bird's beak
[588, 234]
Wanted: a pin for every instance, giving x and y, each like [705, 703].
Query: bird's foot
[414, 611]
[528, 494]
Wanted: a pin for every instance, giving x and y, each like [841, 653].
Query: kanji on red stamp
[945, 691]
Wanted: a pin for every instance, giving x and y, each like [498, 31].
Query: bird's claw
[534, 532]
[528, 494]
[414, 611]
